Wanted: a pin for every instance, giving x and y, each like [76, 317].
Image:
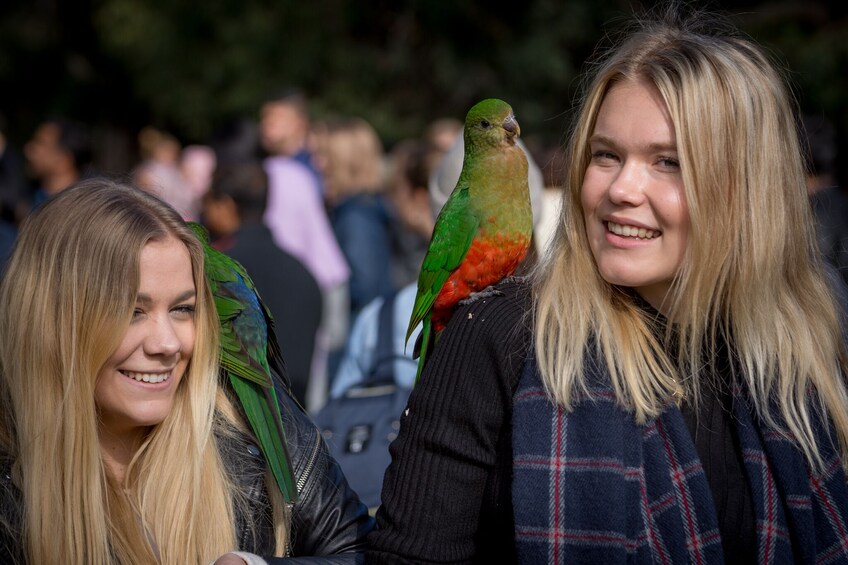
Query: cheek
[104, 385]
[591, 191]
[187, 340]
[130, 343]
[674, 210]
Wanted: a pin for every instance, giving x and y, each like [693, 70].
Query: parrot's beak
[511, 126]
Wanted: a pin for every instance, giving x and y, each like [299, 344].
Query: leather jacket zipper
[301, 481]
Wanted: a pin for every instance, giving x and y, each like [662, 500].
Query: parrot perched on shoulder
[483, 231]
[249, 350]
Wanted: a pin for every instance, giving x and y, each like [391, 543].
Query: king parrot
[249, 351]
[483, 231]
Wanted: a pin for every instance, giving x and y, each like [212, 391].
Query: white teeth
[148, 377]
[631, 231]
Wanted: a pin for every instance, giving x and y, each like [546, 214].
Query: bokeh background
[189, 67]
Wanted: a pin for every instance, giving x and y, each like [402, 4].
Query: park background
[191, 67]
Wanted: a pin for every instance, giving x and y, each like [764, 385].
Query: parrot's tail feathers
[263, 414]
[416, 348]
[281, 462]
[423, 346]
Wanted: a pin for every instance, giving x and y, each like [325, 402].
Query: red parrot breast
[488, 261]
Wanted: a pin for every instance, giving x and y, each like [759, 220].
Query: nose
[628, 186]
[162, 339]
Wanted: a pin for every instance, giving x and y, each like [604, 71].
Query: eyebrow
[653, 147]
[146, 299]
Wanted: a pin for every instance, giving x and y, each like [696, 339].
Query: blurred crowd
[324, 218]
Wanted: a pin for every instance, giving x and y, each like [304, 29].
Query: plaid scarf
[592, 486]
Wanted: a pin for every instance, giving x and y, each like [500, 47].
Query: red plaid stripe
[694, 540]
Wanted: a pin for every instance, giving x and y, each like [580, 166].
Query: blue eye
[668, 162]
[604, 155]
[185, 310]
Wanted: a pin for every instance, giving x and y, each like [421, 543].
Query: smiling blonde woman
[117, 443]
[669, 388]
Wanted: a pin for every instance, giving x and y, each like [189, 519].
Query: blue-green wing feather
[249, 351]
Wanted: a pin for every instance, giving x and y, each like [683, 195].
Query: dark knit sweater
[477, 497]
[464, 469]
[458, 455]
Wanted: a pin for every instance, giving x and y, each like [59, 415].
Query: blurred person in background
[410, 163]
[232, 211]
[298, 221]
[441, 134]
[285, 126]
[160, 171]
[350, 157]
[197, 164]
[550, 160]
[58, 154]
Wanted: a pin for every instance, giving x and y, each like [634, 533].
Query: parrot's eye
[485, 124]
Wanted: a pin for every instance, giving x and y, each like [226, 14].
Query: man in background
[57, 156]
[284, 129]
[233, 209]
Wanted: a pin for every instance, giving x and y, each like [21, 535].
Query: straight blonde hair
[66, 300]
[751, 272]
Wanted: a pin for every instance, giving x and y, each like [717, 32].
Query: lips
[635, 232]
[152, 378]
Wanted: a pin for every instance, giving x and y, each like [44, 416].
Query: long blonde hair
[751, 271]
[66, 300]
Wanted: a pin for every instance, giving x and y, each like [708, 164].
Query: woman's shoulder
[502, 311]
[492, 328]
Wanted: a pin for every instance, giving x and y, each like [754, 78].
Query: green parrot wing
[247, 344]
[453, 233]
[242, 312]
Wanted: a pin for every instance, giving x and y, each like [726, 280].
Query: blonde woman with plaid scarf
[669, 387]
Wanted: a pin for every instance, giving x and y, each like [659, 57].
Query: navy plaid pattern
[591, 486]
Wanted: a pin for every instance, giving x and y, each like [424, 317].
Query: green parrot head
[491, 123]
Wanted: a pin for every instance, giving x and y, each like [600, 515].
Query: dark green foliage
[188, 67]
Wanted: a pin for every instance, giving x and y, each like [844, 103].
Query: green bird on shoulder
[249, 354]
[484, 230]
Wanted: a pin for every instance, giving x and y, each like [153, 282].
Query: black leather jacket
[329, 523]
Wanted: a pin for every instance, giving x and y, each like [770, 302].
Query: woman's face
[136, 386]
[633, 202]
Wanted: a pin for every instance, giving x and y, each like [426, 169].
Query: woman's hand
[239, 558]
[229, 559]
